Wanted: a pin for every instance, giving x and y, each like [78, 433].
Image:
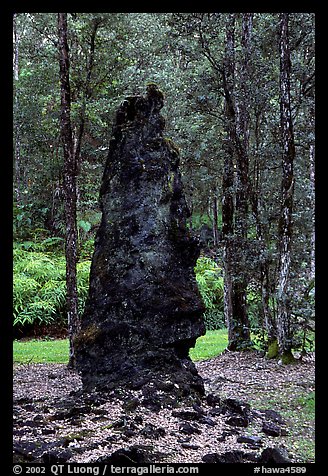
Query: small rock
[213, 399]
[131, 405]
[238, 421]
[190, 446]
[274, 416]
[189, 429]
[252, 440]
[24, 452]
[184, 440]
[271, 429]
[228, 457]
[208, 421]
[187, 415]
[132, 455]
[236, 406]
[138, 420]
[210, 458]
[38, 418]
[198, 409]
[48, 431]
[120, 423]
[56, 456]
[151, 431]
[274, 455]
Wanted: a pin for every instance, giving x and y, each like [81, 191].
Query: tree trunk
[17, 148]
[16, 48]
[312, 184]
[287, 190]
[215, 220]
[228, 180]
[227, 232]
[87, 92]
[70, 178]
[241, 139]
[236, 282]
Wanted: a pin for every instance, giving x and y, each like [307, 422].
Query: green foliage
[87, 248]
[84, 225]
[172, 50]
[40, 286]
[199, 219]
[83, 273]
[210, 284]
[22, 221]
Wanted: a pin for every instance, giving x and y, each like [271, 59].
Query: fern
[40, 286]
[210, 284]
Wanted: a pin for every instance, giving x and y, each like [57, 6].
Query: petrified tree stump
[144, 311]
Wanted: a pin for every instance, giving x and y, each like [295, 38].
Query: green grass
[210, 345]
[56, 351]
[308, 403]
[41, 351]
[297, 407]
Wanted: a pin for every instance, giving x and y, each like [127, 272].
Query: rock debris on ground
[235, 422]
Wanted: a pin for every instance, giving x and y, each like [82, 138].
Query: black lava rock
[144, 310]
[251, 440]
[188, 428]
[238, 421]
[274, 455]
[272, 429]
[228, 457]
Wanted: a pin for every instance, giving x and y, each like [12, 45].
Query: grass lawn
[41, 351]
[210, 345]
[56, 351]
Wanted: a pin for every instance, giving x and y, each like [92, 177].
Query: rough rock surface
[144, 311]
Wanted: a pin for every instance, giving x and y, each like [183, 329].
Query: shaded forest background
[239, 105]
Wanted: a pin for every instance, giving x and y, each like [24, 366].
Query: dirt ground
[257, 404]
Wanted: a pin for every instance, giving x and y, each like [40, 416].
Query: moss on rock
[273, 349]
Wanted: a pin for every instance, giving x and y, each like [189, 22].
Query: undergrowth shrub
[40, 286]
[210, 284]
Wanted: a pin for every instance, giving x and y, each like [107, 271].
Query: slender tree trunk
[234, 241]
[70, 179]
[241, 140]
[72, 153]
[17, 145]
[287, 190]
[215, 220]
[312, 183]
[16, 49]
[269, 322]
[228, 181]
[86, 93]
